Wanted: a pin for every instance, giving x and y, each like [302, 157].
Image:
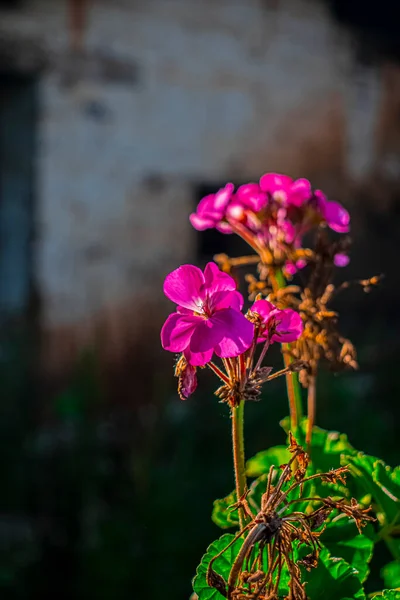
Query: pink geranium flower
[208, 317]
[211, 210]
[277, 325]
[336, 217]
[285, 190]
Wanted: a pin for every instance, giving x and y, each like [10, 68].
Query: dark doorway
[18, 119]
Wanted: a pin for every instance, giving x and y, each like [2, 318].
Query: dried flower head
[321, 339]
[274, 536]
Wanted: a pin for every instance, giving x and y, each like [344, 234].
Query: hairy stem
[311, 409]
[292, 381]
[238, 455]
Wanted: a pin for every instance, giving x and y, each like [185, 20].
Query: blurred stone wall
[166, 95]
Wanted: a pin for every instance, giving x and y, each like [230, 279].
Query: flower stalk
[292, 381]
[311, 408]
[237, 416]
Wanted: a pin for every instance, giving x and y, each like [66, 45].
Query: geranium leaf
[390, 574]
[386, 595]
[261, 463]
[222, 515]
[382, 482]
[222, 566]
[335, 578]
[342, 539]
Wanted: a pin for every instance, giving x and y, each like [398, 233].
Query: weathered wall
[220, 89]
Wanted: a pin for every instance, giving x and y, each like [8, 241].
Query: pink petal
[201, 223]
[320, 199]
[208, 333]
[273, 182]
[188, 381]
[198, 359]
[341, 260]
[184, 287]
[337, 217]
[216, 280]
[263, 308]
[238, 333]
[224, 227]
[289, 231]
[289, 328]
[207, 208]
[300, 192]
[251, 196]
[177, 331]
[221, 300]
[223, 196]
[290, 268]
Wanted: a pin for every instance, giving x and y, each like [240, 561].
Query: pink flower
[211, 210]
[336, 217]
[277, 325]
[284, 190]
[187, 378]
[208, 317]
[252, 197]
[188, 381]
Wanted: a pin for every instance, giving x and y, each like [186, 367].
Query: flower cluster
[209, 320]
[272, 216]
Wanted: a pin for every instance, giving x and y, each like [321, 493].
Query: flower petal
[289, 326]
[198, 359]
[184, 287]
[273, 182]
[187, 382]
[263, 308]
[300, 192]
[341, 260]
[216, 280]
[224, 227]
[238, 333]
[207, 208]
[177, 331]
[201, 223]
[337, 217]
[221, 300]
[251, 196]
[223, 196]
[208, 333]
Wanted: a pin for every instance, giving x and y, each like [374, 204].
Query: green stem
[238, 455]
[292, 381]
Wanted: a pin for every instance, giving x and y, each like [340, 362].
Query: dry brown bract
[276, 530]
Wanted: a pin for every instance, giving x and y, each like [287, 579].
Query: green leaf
[334, 578]
[222, 566]
[386, 595]
[261, 463]
[390, 574]
[342, 539]
[222, 515]
[382, 482]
